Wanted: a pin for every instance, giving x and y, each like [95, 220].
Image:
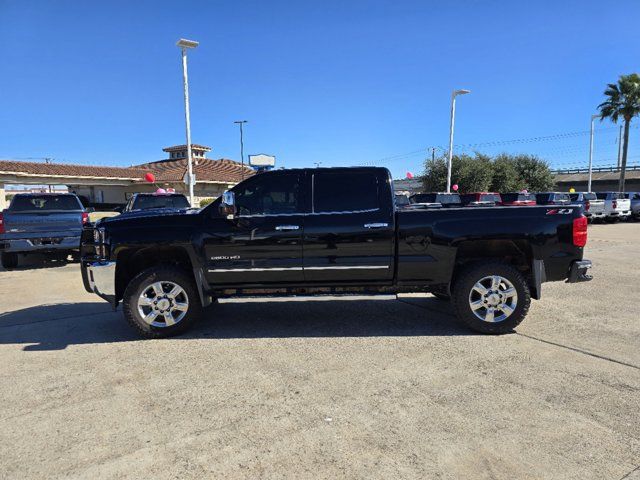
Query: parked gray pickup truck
[42, 222]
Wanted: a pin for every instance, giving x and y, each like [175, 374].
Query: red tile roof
[206, 170]
[69, 170]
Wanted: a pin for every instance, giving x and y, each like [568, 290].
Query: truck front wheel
[9, 260]
[161, 301]
[491, 297]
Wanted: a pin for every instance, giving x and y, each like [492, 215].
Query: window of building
[339, 192]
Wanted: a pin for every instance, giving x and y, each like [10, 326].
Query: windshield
[44, 203]
[146, 202]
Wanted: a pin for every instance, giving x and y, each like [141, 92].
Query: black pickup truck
[331, 231]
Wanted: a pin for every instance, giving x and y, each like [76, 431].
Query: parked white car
[616, 205]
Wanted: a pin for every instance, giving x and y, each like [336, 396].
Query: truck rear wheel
[491, 297]
[9, 260]
[161, 302]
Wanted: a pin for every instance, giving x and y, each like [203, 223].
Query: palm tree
[623, 101]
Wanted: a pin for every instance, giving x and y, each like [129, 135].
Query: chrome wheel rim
[493, 299]
[163, 304]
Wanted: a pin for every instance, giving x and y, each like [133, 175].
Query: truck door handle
[376, 225]
[287, 227]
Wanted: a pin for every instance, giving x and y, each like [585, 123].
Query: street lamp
[241, 123]
[184, 45]
[593, 117]
[453, 117]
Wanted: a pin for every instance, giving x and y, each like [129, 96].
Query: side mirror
[228, 205]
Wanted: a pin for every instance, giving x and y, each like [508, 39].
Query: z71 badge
[560, 211]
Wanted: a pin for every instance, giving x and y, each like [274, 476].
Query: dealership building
[116, 184]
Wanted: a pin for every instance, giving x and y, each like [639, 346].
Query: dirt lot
[347, 388]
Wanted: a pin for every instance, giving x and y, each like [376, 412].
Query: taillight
[614, 204]
[580, 231]
[85, 217]
[1, 223]
[587, 205]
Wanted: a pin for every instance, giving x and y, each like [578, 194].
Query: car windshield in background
[44, 203]
[610, 195]
[147, 202]
[448, 198]
[561, 197]
[402, 200]
[423, 198]
[518, 197]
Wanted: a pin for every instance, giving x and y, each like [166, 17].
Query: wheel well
[134, 260]
[514, 252]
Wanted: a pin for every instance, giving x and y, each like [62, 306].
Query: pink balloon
[161, 190]
[455, 187]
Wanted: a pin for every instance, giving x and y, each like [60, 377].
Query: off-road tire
[142, 281]
[468, 278]
[9, 260]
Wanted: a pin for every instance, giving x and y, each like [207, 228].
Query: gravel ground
[365, 387]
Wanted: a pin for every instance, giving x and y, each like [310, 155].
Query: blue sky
[337, 82]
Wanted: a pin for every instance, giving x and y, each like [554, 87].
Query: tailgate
[623, 204]
[596, 206]
[34, 224]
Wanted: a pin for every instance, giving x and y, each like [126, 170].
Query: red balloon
[409, 175]
[149, 177]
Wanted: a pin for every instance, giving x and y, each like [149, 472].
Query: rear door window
[44, 203]
[337, 192]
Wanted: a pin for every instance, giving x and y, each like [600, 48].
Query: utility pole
[593, 117]
[184, 45]
[433, 154]
[620, 148]
[454, 94]
[241, 123]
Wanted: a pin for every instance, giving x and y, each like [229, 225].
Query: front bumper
[100, 278]
[578, 271]
[40, 244]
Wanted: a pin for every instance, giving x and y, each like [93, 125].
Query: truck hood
[148, 217]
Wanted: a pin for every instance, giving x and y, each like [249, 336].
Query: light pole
[453, 117]
[593, 117]
[241, 123]
[184, 45]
